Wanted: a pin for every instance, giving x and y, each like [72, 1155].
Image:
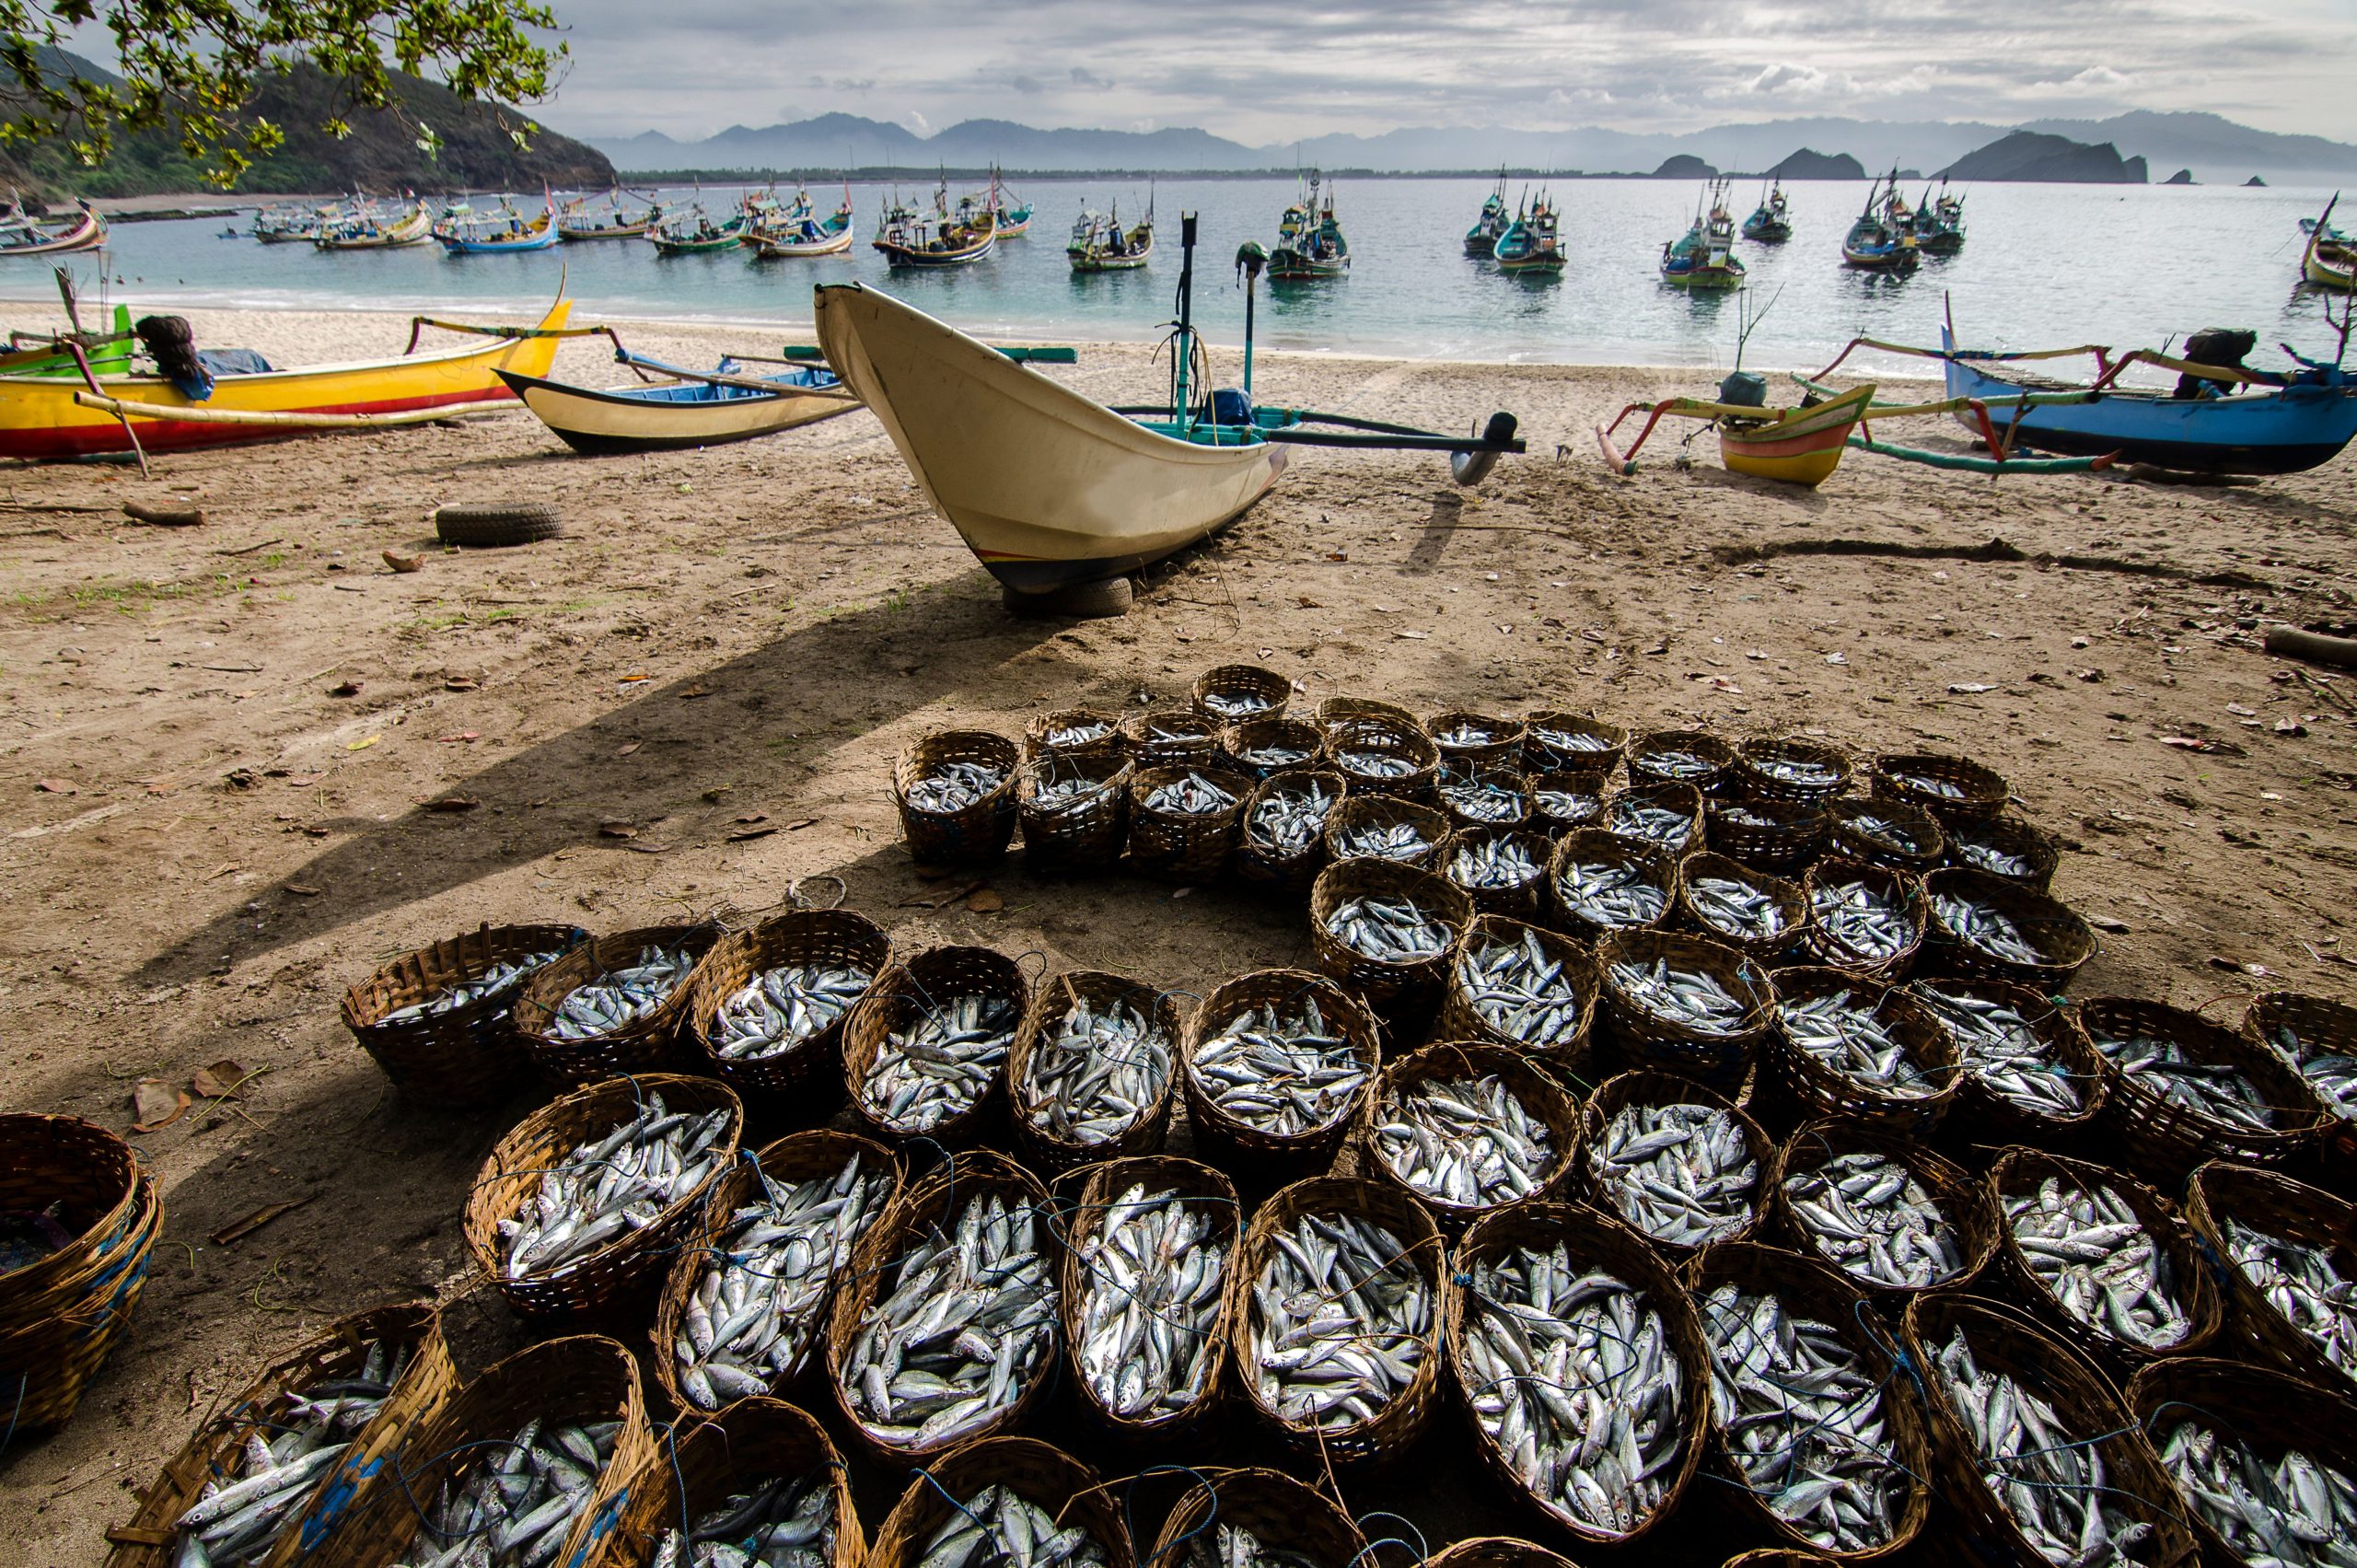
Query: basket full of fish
[1769, 833]
[1756, 913]
[1256, 1518]
[745, 1303]
[759, 1485]
[1684, 1004]
[1667, 813]
[1600, 882]
[2318, 1036]
[1003, 1503]
[1954, 789]
[925, 1051]
[1335, 1303]
[1233, 693]
[1184, 819]
[1385, 930]
[1849, 1046]
[1383, 826]
[1172, 738]
[1260, 749]
[2179, 1090]
[437, 1020]
[945, 1328]
[2106, 1261]
[2029, 1074]
[1503, 870]
[1561, 801]
[770, 1004]
[267, 1476]
[2030, 1445]
[1888, 833]
[1091, 1077]
[2288, 1253]
[1483, 741]
[1074, 807]
[617, 1004]
[1576, 1350]
[582, 1206]
[956, 793]
[1867, 919]
[1468, 1128]
[1554, 741]
[1147, 1256]
[1381, 754]
[1495, 1551]
[1481, 794]
[1681, 756]
[2005, 846]
[1522, 986]
[2265, 1463]
[1277, 1063]
[1792, 768]
[1678, 1164]
[1071, 731]
[1889, 1213]
[1282, 843]
[1981, 923]
[1815, 1427]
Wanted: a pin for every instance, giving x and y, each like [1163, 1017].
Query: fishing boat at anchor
[926, 241]
[1704, 256]
[686, 409]
[692, 233]
[1309, 240]
[2329, 259]
[1770, 222]
[1099, 243]
[499, 233]
[22, 235]
[1482, 239]
[1013, 213]
[577, 222]
[1529, 244]
[373, 230]
[1939, 223]
[1051, 489]
[801, 232]
[1883, 237]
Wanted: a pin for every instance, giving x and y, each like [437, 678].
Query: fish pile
[1623, 890]
[1695, 1000]
[1636, 816]
[2303, 1284]
[1382, 840]
[1561, 804]
[1279, 1070]
[1572, 1376]
[1479, 797]
[1494, 864]
[780, 1008]
[1983, 852]
[1061, 788]
[1850, 1033]
[1917, 783]
[1390, 931]
[1876, 923]
[998, 1527]
[1733, 906]
[1276, 753]
[27, 1236]
[1151, 1277]
[2217, 1090]
[293, 1442]
[1233, 1546]
[517, 1500]
[1369, 763]
[1189, 794]
[1468, 732]
[607, 1187]
[1986, 927]
[1091, 1077]
[2097, 1261]
[1567, 742]
[940, 1066]
[1465, 1141]
[1077, 733]
[1682, 1174]
[1804, 1421]
[1669, 760]
[621, 997]
[1874, 1219]
[1291, 817]
[750, 1322]
[2003, 1051]
[954, 787]
[504, 975]
[2332, 1074]
[785, 1523]
[1340, 1322]
[1801, 773]
[1235, 703]
[1170, 732]
[2050, 1479]
[2296, 1511]
[1891, 835]
[1519, 990]
[968, 1321]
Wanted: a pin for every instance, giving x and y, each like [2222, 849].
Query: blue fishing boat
[1939, 223]
[1482, 239]
[1770, 222]
[499, 233]
[1704, 256]
[1883, 240]
[1529, 243]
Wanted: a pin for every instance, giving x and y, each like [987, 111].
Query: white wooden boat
[692, 409]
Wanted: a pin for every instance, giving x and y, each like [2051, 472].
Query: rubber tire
[1081, 601]
[495, 527]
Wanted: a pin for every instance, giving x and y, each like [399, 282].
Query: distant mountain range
[2216, 149]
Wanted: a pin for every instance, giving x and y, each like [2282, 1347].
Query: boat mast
[1182, 345]
[1250, 260]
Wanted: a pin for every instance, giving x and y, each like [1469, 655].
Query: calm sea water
[2044, 266]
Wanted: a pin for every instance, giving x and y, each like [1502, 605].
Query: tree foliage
[192, 67]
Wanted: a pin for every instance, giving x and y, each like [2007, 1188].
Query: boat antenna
[1249, 261]
[1750, 319]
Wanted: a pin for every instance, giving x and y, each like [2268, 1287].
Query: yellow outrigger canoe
[1797, 446]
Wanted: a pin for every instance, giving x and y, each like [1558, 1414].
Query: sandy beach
[693, 699]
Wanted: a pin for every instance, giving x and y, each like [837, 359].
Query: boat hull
[1046, 487]
[608, 422]
[2326, 272]
[1803, 448]
[914, 259]
[89, 232]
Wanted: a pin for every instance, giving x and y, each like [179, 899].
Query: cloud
[1082, 76]
[1029, 85]
[2095, 82]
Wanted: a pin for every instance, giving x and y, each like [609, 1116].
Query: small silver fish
[1465, 1141]
[949, 788]
[1281, 1068]
[1682, 1174]
[1151, 1276]
[1873, 1218]
[609, 1186]
[1338, 1321]
[787, 1522]
[509, 1504]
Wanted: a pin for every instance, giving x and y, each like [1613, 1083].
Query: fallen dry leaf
[53, 786]
[617, 830]
[742, 835]
[224, 1080]
[157, 1104]
[255, 1220]
[982, 900]
[364, 745]
[305, 889]
[461, 683]
[692, 693]
[805, 823]
[303, 781]
[1412, 636]
[1968, 688]
[749, 818]
[630, 747]
[464, 737]
[345, 689]
[453, 803]
[401, 562]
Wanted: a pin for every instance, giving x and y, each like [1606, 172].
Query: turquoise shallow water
[2044, 266]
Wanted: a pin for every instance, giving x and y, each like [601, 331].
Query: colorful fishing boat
[1099, 243]
[803, 233]
[577, 222]
[1704, 256]
[2328, 260]
[1529, 244]
[1482, 239]
[1939, 223]
[500, 233]
[1013, 213]
[22, 234]
[1793, 446]
[1310, 245]
[1770, 222]
[928, 242]
[285, 225]
[1879, 242]
[373, 230]
[688, 408]
[692, 233]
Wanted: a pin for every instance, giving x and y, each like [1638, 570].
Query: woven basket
[2060, 936]
[1682, 800]
[1923, 779]
[626, 1271]
[1393, 1429]
[1594, 1241]
[808, 1068]
[971, 835]
[583, 1378]
[1171, 738]
[1820, 1088]
[1461, 1019]
[1644, 1087]
[1037, 735]
[2289, 1211]
[1377, 736]
[1647, 1038]
[1786, 897]
[1060, 1486]
[1887, 886]
[1523, 899]
[1551, 741]
[1496, 1551]
[1042, 1148]
[1481, 740]
[468, 1055]
[1254, 747]
[212, 1450]
[1809, 1289]
[2020, 1170]
[649, 1043]
[1594, 846]
[1225, 1141]
[1560, 801]
[920, 1211]
[1508, 788]
[1104, 1185]
[1758, 759]
[797, 1158]
[1335, 711]
[1963, 1201]
[1397, 988]
[2087, 1411]
[2272, 1412]
[1282, 1513]
[1085, 832]
[1450, 1061]
[2005, 846]
[1909, 840]
[1262, 862]
[750, 1444]
[1181, 846]
[2297, 1028]
[1782, 835]
[1361, 811]
[1234, 692]
[906, 993]
[1989, 1117]
[61, 1315]
[1681, 756]
[2169, 1141]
